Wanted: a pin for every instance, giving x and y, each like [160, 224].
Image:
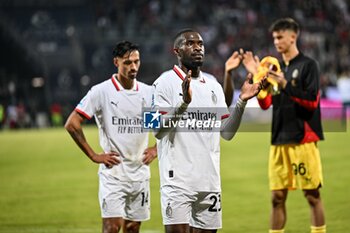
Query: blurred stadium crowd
[52, 52]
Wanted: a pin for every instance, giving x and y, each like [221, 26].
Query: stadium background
[52, 52]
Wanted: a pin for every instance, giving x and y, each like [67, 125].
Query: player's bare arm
[186, 88]
[232, 63]
[73, 126]
[149, 154]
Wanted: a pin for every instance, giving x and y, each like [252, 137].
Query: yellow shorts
[295, 166]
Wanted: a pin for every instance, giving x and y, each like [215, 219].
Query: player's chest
[125, 103]
[202, 95]
[295, 75]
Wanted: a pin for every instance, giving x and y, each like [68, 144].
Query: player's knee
[313, 197]
[132, 227]
[111, 227]
[278, 199]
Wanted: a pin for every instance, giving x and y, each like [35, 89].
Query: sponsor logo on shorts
[104, 205]
[169, 211]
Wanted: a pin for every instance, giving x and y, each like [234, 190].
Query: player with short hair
[294, 161]
[124, 171]
[189, 160]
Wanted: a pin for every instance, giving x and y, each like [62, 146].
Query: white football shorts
[126, 199]
[198, 209]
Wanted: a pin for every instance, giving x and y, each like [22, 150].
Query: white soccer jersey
[118, 114]
[190, 160]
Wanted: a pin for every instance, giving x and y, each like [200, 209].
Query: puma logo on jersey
[180, 94]
[115, 104]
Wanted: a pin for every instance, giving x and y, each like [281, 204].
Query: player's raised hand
[250, 89]
[149, 155]
[109, 159]
[250, 62]
[186, 88]
[233, 61]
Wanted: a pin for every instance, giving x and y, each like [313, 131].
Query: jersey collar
[181, 74]
[119, 87]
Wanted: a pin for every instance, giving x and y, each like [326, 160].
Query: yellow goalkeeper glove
[267, 63]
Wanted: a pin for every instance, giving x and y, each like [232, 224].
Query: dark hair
[285, 24]
[178, 37]
[123, 47]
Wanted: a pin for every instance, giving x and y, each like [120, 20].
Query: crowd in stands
[79, 37]
[229, 25]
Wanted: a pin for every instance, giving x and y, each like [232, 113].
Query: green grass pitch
[47, 185]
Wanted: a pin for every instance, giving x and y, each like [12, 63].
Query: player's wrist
[241, 101]
[183, 105]
[181, 108]
[228, 72]
[94, 157]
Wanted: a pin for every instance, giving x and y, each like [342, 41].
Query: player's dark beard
[191, 64]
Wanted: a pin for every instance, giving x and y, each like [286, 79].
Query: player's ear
[115, 61]
[176, 51]
[294, 37]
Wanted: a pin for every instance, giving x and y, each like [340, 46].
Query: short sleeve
[161, 97]
[90, 104]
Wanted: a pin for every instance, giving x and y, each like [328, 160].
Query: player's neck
[195, 71]
[126, 83]
[290, 54]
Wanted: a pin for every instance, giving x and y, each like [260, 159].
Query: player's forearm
[172, 116]
[75, 130]
[80, 140]
[228, 88]
[231, 124]
[310, 105]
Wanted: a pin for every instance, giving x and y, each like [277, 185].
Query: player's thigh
[307, 167]
[137, 207]
[280, 168]
[176, 205]
[207, 212]
[111, 197]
